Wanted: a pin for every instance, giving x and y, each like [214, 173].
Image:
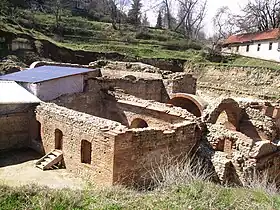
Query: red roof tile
[241, 38]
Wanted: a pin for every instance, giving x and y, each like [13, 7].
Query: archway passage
[187, 104]
[58, 139]
[227, 119]
[227, 113]
[139, 123]
[86, 152]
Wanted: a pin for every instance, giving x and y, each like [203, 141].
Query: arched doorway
[227, 113]
[186, 104]
[139, 123]
[192, 103]
[58, 139]
[227, 119]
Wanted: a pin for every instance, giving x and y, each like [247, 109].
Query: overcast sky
[213, 5]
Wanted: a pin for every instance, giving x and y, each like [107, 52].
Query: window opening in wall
[237, 49]
[38, 136]
[259, 47]
[270, 46]
[138, 123]
[247, 48]
[58, 139]
[86, 152]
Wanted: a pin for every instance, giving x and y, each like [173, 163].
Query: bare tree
[57, 8]
[117, 11]
[166, 6]
[259, 15]
[223, 22]
[194, 13]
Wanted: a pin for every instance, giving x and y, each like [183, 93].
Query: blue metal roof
[44, 73]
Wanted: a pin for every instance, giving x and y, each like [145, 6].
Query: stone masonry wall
[75, 127]
[90, 102]
[139, 152]
[150, 89]
[15, 129]
[180, 83]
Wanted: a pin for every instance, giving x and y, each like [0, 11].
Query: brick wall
[139, 151]
[154, 118]
[151, 89]
[75, 127]
[180, 83]
[89, 102]
[16, 127]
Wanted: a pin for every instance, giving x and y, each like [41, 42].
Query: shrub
[262, 182]
[143, 35]
[172, 172]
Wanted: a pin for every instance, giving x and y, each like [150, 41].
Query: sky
[213, 5]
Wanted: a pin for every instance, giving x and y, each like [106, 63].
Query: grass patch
[196, 195]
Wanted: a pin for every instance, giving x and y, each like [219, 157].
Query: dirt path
[17, 168]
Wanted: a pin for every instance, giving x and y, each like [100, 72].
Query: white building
[264, 45]
[50, 82]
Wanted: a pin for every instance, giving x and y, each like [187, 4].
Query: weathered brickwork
[138, 152]
[247, 147]
[131, 116]
[116, 151]
[16, 128]
[75, 127]
[147, 89]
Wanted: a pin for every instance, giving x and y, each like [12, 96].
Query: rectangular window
[86, 152]
[247, 48]
[237, 49]
[259, 47]
[270, 45]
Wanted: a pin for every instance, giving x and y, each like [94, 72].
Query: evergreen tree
[134, 14]
[145, 21]
[159, 20]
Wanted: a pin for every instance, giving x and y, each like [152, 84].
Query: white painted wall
[52, 89]
[264, 52]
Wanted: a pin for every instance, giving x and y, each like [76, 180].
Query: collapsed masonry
[115, 120]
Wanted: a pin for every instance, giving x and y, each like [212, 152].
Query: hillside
[78, 34]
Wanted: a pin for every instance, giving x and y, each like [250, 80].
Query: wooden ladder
[50, 160]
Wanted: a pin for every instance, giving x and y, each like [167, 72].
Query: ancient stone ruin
[109, 122]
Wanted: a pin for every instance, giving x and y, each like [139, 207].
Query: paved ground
[18, 168]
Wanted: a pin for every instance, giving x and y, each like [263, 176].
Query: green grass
[197, 195]
[253, 62]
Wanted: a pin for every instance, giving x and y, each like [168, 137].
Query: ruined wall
[123, 108]
[113, 73]
[75, 127]
[16, 127]
[150, 89]
[142, 80]
[180, 83]
[154, 118]
[139, 151]
[90, 102]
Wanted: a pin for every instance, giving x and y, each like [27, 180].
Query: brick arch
[138, 123]
[192, 103]
[227, 113]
